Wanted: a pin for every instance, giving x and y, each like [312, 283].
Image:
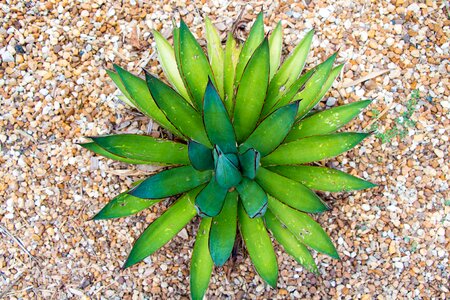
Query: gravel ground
[54, 90]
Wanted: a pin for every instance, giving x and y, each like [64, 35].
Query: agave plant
[241, 158]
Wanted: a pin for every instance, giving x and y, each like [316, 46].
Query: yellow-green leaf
[215, 54]
[275, 45]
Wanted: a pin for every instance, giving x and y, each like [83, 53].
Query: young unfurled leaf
[164, 228]
[249, 162]
[200, 156]
[217, 122]
[271, 131]
[259, 246]
[126, 96]
[254, 39]
[290, 243]
[187, 120]
[227, 174]
[168, 63]
[143, 100]
[253, 197]
[230, 61]
[326, 121]
[215, 54]
[223, 230]
[170, 182]
[144, 148]
[313, 148]
[201, 262]
[323, 179]
[275, 45]
[194, 65]
[99, 150]
[209, 201]
[290, 192]
[251, 92]
[303, 227]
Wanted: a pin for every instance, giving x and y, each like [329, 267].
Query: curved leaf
[217, 122]
[170, 182]
[253, 197]
[215, 53]
[187, 120]
[326, 121]
[271, 131]
[275, 45]
[323, 179]
[303, 227]
[249, 162]
[313, 148]
[143, 100]
[200, 156]
[227, 174]
[127, 98]
[259, 246]
[230, 61]
[99, 150]
[209, 201]
[251, 92]
[223, 230]
[164, 228]
[290, 192]
[144, 148]
[201, 262]
[168, 63]
[290, 243]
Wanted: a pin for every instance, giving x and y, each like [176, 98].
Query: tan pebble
[366, 297]
[392, 248]
[373, 44]
[19, 58]
[439, 153]
[415, 53]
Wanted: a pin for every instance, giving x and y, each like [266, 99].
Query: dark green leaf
[209, 201]
[164, 228]
[290, 192]
[170, 182]
[275, 45]
[217, 122]
[253, 197]
[290, 243]
[303, 227]
[259, 246]
[99, 150]
[323, 179]
[249, 162]
[200, 156]
[201, 262]
[326, 121]
[144, 148]
[251, 92]
[230, 62]
[313, 148]
[227, 174]
[223, 230]
[187, 120]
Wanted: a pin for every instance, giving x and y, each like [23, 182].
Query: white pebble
[331, 101]
[365, 207]
[7, 57]
[324, 12]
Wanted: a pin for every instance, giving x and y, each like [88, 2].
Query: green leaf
[170, 182]
[323, 179]
[326, 121]
[187, 120]
[230, 61]
[271, 131]
[251, 92]
[223, 230]
[143, 100]
[249, 162]
[215, 53]
[200, 156]
[194, 65]
[275, 45]
[168, 63]
[290, 243]
[303, 227]
[164, 228]
[209, 201]
[253, 197]
[313, 148]
[310, 95]
[201, 262]
[127, 98]
[99, 150]
[217, 122]
[289, 70]
[144, 148]
[124, 205]
[227, 174]
[290, 192]
[255, 37]
[259, 246]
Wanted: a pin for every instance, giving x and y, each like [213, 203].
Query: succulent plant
[244, 142]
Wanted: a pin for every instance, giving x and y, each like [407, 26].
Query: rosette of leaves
[241, 159]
